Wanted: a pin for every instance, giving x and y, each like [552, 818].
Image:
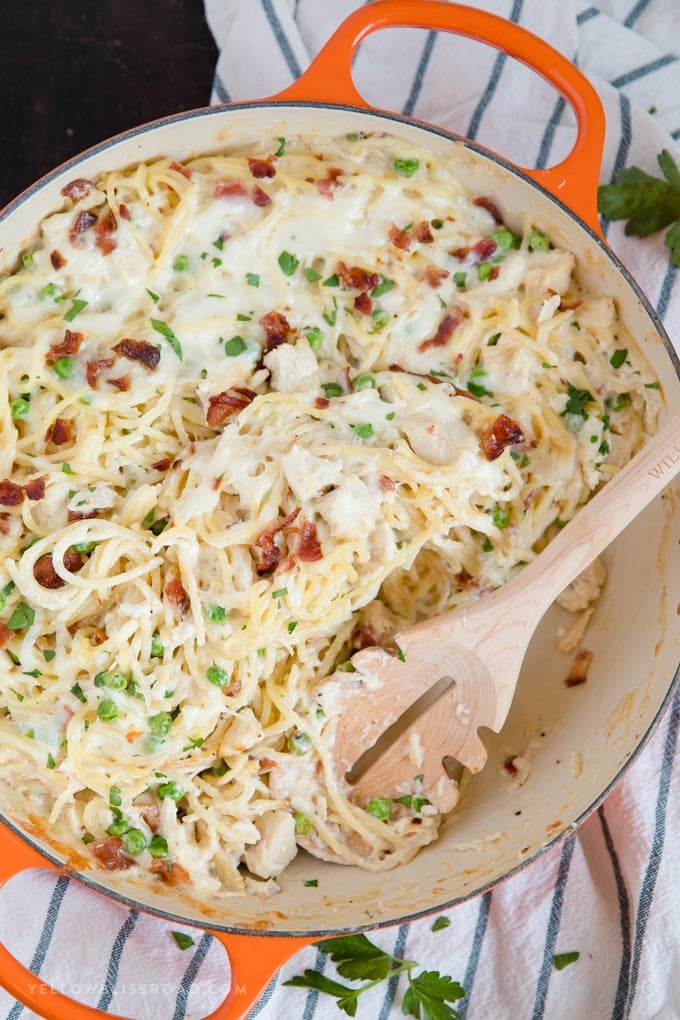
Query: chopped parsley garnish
[406, 167]
[77, 692]
[292, 625]
[171, 790]
[618, 357]
[182, 940]
[330, 316]
[77, 305]
[279, 593]
[311, 275]
[440, 923]
[288, 262]
[459, 279]
[500, 517]
[383, 287]
[562, 960]
[427, 996]
[332, 389]
[314, 337]
[235, 346]
[415, 801]
[154, 297]
[165, 331]
[282, 147]
[311, 882]
[576, 404]
[22, 617]
[363, 431]
[475, 386]
[380, 807]
[48, 654]
[181, 264]
[51, 764]
[215, 613]
[252, 279]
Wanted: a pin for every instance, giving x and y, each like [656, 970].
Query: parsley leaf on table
[648, 203]
[358, 959]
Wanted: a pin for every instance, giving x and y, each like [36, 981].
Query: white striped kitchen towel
[611, 890]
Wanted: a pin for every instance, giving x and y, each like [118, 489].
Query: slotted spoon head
[387, 688]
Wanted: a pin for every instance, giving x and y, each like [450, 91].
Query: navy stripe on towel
[624, 915]
[490, 89]
[420, 74]
[635, 13]
[46, 935]
[643, 71]
[393, 982]
[553, 928]
[656, 853]
[475, 952]
[190, 975]
[123, 935]
[281, 39]
[312, 994]
[219, 89]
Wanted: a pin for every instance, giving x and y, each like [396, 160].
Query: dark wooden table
[74, 72]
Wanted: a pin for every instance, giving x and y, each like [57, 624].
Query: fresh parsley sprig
[648, 203]
[428, 994]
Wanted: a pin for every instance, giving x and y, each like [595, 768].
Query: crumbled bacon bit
[578, 673]
[45, 574]
[444, 331]
[35, 488]
[357, 278]
[265, 542]
[176, 595]
[423, 233]
[98, 637]
[181, 169]
[147, 354]
[77, 189]
[93, 368]
[224, 405]
[387, 484]
[490, 206]
[60, 432]
[69, 345]
[6, 635]
[151, 813]
[79, 515]
[260, 168]
[433, 275]
[483, 249]
[11, 494]
[230, 189]
[83, 221]
[170, 872]
[260, 197]
[502, 432]
[162, 465]
[400, 238]
[57, 259]
[493, 273]
[277, 329]
[321, 402]
[111, 855]
[122, 382]
[326, 184]
[364, 304]
[124, 212]
[309, 549]
[102, 232]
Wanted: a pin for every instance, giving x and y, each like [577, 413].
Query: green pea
[538, 241]
[158, 847]
[134, 841]
[19, 408]
[171, 790]
[299, 743]
[118, 828]
[161, 724]
[218, 676]
[181, 264]
[64, 367]
[303, 824]
[214, 613]
[107, 710]
[365, 381]
[380, 807]
[114, 679]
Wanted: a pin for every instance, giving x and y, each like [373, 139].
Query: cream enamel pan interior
[499, 826]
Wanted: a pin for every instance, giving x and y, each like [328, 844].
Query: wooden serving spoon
[478, 648]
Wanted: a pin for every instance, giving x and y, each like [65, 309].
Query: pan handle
[254, 959]
[573, 181]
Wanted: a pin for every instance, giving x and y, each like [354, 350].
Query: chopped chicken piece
[584, 589]
[276, 846]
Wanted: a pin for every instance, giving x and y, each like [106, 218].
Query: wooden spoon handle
[599, 522]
